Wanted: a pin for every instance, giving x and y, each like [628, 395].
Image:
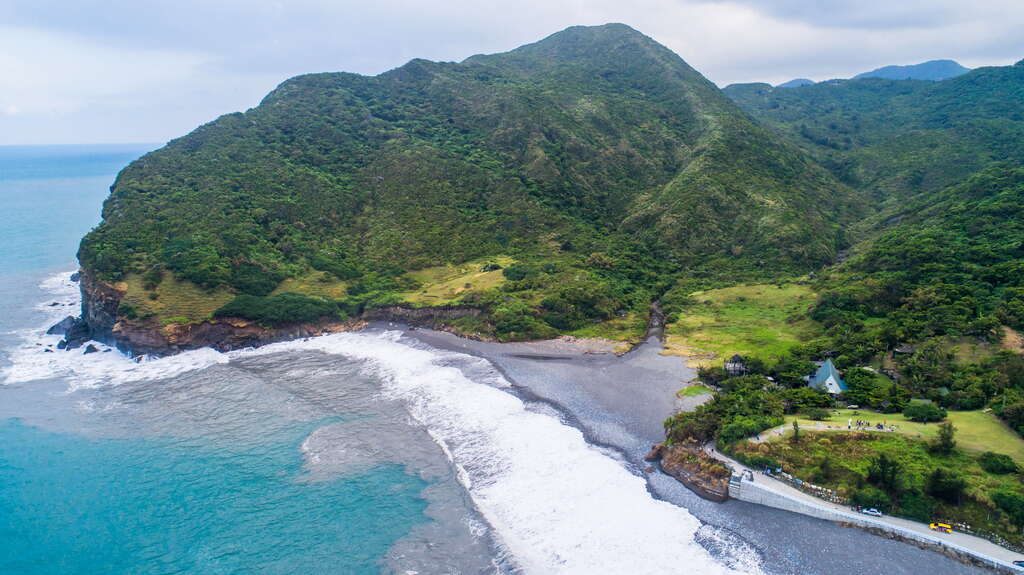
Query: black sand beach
[619, 403]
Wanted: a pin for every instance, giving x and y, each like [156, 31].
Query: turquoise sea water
[70, 504]
[180, 475]
[50, 196]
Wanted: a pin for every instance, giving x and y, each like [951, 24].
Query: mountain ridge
[596, 157]
[934, 70]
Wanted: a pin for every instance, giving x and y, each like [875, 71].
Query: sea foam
[30, 360]
[557, 504]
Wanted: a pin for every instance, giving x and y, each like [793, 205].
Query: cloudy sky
[85, 71]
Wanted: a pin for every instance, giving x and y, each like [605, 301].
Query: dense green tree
[923, 412]
[281, 309]
[1012, 504]
[946, 485]
[886, 473]
[871, 497]
[866, 388]
[945, 441]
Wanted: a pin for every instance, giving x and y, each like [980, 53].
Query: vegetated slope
[950, 265]
[893, 138]
[596, 158]
[945, 275]
[934, 70]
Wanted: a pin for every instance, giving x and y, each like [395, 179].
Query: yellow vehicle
[941, 527]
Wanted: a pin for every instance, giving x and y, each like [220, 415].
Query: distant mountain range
[933, 70]
[796, 83]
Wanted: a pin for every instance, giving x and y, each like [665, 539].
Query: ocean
[353, 453]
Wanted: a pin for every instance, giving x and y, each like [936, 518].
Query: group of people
[861, 425]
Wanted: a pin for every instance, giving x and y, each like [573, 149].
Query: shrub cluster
[280, 309]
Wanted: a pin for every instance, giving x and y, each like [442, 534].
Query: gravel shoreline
[619, 403]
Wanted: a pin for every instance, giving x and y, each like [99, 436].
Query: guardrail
[833, 497]
[992, 537]
[818, 491]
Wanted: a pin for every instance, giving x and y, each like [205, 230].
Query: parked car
[871, 511]
[941, 527]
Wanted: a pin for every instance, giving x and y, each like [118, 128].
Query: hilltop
[934, 70]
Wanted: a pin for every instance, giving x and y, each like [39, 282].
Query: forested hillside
[895, 138]
[596, 159]
[949, 265]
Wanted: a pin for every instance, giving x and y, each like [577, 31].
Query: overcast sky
[84, 71]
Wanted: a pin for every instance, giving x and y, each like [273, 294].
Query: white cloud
[47, 72]
[120, 70]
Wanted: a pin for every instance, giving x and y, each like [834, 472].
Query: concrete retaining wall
[754, 492]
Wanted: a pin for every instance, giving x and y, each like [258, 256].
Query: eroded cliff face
[100, 302]
[100, 321]
[703, 474]
[222, 334]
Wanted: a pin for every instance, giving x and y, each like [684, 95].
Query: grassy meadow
[445, 284]
[977, 431]
[173, 300]
[761, 320]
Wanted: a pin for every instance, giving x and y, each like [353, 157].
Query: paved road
[977, 544]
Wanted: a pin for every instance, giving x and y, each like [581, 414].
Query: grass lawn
[975, 430]
[313, 283]
[444, 284]
[762, 320]
[629, 329]
[694, 391]
[180, 301]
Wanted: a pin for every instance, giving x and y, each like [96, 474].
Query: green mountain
[934, 70]
[895, 138]
[596, 160]
[796, 83]
[940, 255]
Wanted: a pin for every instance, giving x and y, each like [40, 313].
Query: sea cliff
[101, 321]
[701, 473]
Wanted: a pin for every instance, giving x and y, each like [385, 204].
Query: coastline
[618, 402]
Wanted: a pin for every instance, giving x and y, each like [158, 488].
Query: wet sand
[620, 402]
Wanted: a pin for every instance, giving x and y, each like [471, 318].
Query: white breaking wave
[558, 505]
[30, 360]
